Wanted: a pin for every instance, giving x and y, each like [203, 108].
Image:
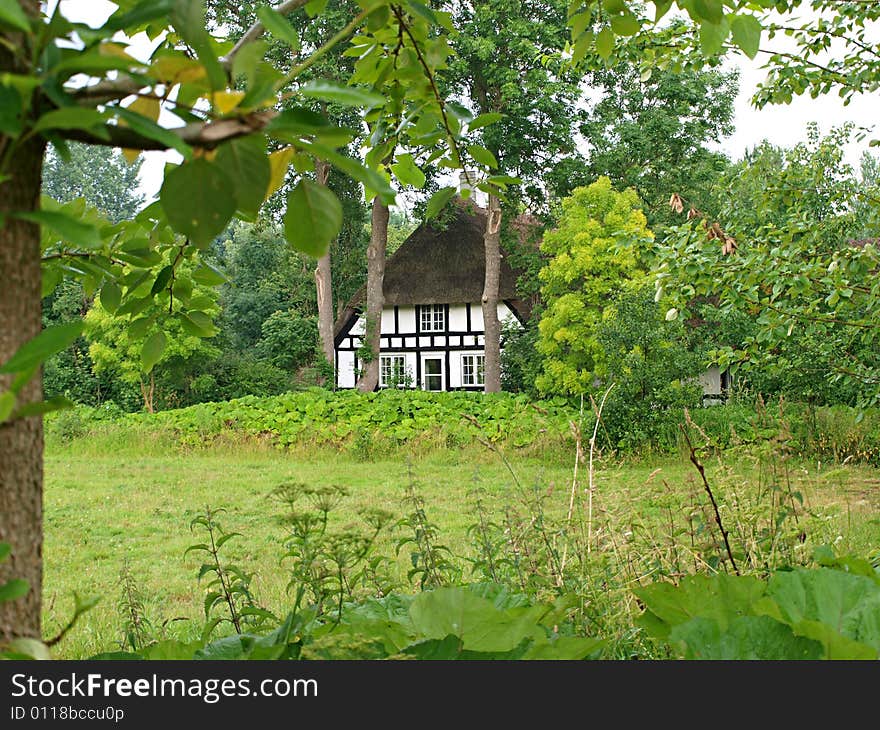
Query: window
[432, 317]
[392, 371]
[473, 370]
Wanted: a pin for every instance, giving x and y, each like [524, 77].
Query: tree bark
[491, 325]
[21, 440]
[324, 285]
[369, 378]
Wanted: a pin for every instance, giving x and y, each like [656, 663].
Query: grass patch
[120, 497]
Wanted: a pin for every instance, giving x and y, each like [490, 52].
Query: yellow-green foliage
[597, 249]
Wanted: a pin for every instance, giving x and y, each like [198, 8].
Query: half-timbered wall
[409, 332]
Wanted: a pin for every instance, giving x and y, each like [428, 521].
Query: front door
[432, 373]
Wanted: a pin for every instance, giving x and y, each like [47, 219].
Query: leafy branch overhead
[215, 101]
[238, 120]
[813, 47]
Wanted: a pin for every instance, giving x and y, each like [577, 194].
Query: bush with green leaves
[652, 367]
[288, 340]
[828, 612]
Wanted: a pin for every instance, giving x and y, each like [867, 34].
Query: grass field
[108, 504]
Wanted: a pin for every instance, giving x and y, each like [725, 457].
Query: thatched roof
[445, 265]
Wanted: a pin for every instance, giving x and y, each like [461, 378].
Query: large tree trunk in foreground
[21, 440]
[324, 286]
[369, 378]
[491, 325]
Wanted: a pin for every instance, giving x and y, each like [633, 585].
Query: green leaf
[374, 181]
[298, 121]
[12, 16]
[662, 7]
[345, 95]
[16, 588]
[51, 340]
[720, 598]
[278, 26]
[406, 170]
[188, 17]
[7, 405]
[198, 324]
[10, 111]
[206, 274]
[313, 218]
[476, 621]
[484, 120]
[712, 37]
[315, 7]
[746, 32]
[482, 156]
[5, 551]
[71, 230]
[627, 24]
[56, 403]
[30, 648]
[142, 13]
[711, 10]
[138, 328]
[605, 43]
[148, 128]
[746, 638]
[245, 161]
[438, 202]
[111, 296]
[838, 609]
[152, 350]
[198, 199]
[73, 117]
[162, 279]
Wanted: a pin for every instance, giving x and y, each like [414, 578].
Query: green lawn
[104, 507]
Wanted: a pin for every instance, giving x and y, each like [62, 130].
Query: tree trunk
[491, 325]
[147, 392]
[369, 378]
[324, 285]
[21, 440]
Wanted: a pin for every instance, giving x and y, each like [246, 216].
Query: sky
[783, 125]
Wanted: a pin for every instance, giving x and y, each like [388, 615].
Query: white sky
[783, 125]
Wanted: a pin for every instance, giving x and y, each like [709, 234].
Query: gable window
[432, 317]
[473, 371]
[392, 371]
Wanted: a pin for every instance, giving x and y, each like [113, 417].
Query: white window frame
[432, 317]
[477, 369]
[385, 373]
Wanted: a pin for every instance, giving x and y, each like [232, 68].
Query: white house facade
[432, 334]
[424, 346]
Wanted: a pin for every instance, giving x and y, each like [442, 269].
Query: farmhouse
[432, 322]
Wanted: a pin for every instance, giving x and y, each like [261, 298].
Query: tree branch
[205, 135]
[257, 29]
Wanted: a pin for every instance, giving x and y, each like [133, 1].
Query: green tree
[142, 356]
[289, 340]
[507, 66]
[653, 134]
[784, 269]
[596, 250]
[99, 174]
[651, 363]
